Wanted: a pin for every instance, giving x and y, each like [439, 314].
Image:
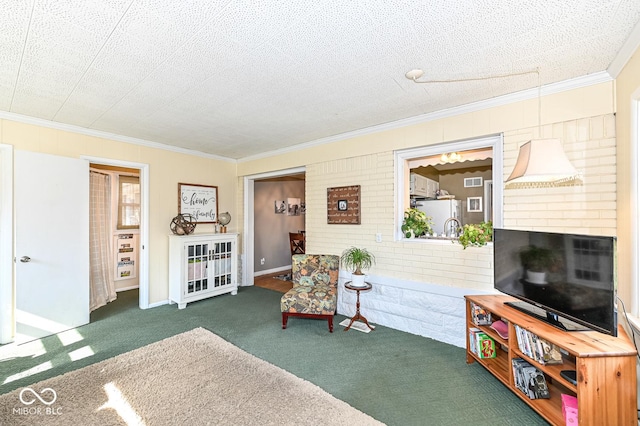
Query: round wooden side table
[358, 316]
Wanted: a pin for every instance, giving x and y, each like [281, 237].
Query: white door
[51, 196]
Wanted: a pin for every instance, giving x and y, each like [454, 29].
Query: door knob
[25, 259]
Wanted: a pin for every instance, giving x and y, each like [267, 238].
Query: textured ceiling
[240, 78]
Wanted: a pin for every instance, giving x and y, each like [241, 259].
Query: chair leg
[330, 324]
[285, 318]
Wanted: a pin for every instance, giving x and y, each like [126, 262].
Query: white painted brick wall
[426, 310]
[419, 286]
[590, 145]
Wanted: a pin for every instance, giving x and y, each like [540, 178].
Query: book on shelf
[486, 346]
[528, 371]
[529, 380]
[481, 344]
[523, 341]
[539, 384]
[473, 341]
[537, 348]
[518, 377]
[519, 337]
[480, 315]
[550, 353]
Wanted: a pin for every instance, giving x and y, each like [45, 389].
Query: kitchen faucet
[453, 231]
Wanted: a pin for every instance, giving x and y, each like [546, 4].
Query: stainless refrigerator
[440, 211]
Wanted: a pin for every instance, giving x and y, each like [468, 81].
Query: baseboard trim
[271, 271]
[118, 290]
[160, 303]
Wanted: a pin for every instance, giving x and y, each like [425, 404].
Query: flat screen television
[575, 287]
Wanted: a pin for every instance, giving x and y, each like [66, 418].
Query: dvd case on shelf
[537, 348]
[529, 379]
[486, 346]
[480, 315]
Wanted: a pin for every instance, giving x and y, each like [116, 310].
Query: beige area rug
[194, 378]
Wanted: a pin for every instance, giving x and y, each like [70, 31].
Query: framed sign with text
[343, 205]
[200, 201]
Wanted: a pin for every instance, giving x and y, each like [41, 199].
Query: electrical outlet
[262, 261]
[379, 237]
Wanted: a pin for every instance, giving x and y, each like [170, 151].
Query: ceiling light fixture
[414, 74]
[452, 157]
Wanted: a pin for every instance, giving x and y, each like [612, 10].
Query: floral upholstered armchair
[314, 293]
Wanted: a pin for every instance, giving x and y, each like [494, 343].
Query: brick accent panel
[590, 145]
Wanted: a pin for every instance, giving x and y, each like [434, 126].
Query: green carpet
[395, 377]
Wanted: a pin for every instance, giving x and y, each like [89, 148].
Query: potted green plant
[476, 234]
[537, 261]
[356, 259]
[416, 223]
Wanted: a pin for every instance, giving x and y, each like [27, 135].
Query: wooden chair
[296, 242]
[314, 293]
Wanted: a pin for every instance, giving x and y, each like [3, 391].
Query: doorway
[143, 232]
[250, 229]
[114, 232]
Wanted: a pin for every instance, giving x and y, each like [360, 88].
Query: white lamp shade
[542, 163]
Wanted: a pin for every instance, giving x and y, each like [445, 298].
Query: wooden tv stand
[606, 366]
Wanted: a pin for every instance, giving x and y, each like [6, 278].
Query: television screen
[567, 279]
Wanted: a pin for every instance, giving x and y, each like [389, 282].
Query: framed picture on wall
[343, 205]
[293, 206]
[474, 204]
[200, 201]
[280, 206]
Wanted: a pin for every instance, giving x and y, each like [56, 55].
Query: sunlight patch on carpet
[119, 403]
[30, 372]
[70, 337]
[83, 352]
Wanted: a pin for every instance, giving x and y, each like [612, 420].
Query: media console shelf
[606, 366]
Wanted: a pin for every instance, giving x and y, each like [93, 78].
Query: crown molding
[106, 135]
[549, 89]
[626, 51]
